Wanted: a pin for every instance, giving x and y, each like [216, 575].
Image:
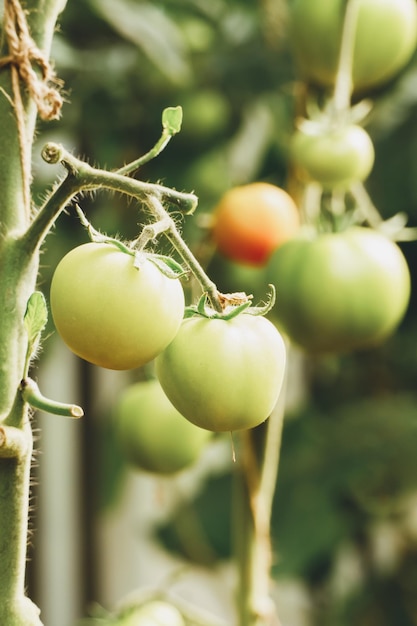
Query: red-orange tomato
[251, 221]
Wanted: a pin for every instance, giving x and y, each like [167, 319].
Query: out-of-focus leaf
[200, 530]
[395, 106]
[147, 26]
[247, 149]
[337, 468]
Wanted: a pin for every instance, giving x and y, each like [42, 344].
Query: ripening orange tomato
[253, 220]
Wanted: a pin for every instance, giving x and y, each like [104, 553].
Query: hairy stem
[177, 241]
[15, 462]
[157, 149]
[34, 28]
[82, 176]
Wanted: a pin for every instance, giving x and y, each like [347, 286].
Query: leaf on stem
[35, 319]
[167, 265]
[172, 119]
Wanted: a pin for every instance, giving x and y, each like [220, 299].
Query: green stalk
[207, 285]
[254, 488]
[15, 462]
[344, 82]
[18, 272]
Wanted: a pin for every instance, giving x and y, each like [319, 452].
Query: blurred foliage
[343, 473]
[349, 462]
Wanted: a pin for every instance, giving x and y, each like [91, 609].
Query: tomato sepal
[234, 304]
[167, 265]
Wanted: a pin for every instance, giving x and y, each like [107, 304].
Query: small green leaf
[190, 311]
[201, 306]
[97, 237]
[36, 317]
[167, 265]
[234, 311]
[200, 309]
[172, 119]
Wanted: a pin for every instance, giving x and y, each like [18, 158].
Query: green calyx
[167, 265]
[233, 304]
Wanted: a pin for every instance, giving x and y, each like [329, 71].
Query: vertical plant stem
[18, 272]
[344, 81]
[15, 608]
[255, 482]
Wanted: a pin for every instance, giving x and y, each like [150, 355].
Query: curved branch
[83, 177]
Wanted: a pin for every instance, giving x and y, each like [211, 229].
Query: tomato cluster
[337, 291]
[221, 372]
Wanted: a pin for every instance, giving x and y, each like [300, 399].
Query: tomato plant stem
[15, 462]
[177, 241]
[255, 482]
[28, 28]
[344, 81]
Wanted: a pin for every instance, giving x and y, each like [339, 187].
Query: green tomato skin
[152, 434]
[386, 35]
[340, 292]
[110, 313]
[224, 375]
[154, 613]
[335, 158]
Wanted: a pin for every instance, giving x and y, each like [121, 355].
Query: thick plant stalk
[27, 33]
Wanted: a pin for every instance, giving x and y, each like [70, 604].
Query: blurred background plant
[345, 513]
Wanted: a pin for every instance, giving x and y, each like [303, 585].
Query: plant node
[13, 442]
[52, 153]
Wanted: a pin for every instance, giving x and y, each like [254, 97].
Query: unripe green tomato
[334, 158]
[110, 312]
[155, 613]
[152, 434]
[385, 39]
[339, 292]
[224, 374]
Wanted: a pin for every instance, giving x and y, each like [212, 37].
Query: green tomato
[154, 613]
[224, 375]
[152, 434]
[339, 292]
[386, 34]
[111, 313]
[334, 158]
